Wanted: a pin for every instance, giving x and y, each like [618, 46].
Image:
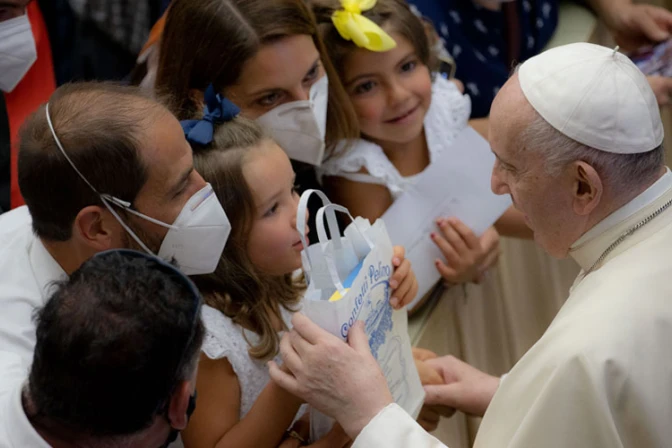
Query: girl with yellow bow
[407, 116]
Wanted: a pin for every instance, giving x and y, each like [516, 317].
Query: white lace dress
[448, 115]
[225, 339]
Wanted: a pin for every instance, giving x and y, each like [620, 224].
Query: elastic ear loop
[106, 197]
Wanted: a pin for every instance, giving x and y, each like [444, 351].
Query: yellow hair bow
[352, 25]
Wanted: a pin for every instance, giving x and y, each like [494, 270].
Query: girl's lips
[403, 116]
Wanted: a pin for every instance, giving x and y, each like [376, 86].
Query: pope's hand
[637, 25]
[466, 388]
[341, 380]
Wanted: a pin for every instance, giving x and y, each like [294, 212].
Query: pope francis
[577, 135]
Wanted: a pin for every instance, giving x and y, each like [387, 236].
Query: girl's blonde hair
[395, 15]
[209, 41]
[236, 288]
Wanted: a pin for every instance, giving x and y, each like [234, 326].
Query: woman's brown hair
[394, 15]
[236, 288]
[209, 41]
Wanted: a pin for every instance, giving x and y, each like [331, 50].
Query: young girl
[255, 288]
[407, 117]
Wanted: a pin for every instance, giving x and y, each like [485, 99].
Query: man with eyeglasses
[115, 359]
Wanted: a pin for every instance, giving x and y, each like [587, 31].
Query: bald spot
[94, 107]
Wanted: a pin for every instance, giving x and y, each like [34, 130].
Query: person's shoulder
[16, 239]
[223, 337]
[13, 372]
[351, 156]
[15, 224]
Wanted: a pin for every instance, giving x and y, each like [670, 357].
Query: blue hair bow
[217, 110]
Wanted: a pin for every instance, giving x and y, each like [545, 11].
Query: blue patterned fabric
[476, 38]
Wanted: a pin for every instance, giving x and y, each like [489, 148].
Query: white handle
[335, 237]
[301, 212]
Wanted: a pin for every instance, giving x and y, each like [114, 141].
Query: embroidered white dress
[226, 339]
[448, 115]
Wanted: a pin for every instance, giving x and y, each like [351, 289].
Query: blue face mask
[191, 407]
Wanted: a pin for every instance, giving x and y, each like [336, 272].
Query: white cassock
[601, 375]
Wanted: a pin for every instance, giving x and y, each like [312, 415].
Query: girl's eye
[271, 211]
[364, 87]
[409, 66]
[269, 100]
[312, 74]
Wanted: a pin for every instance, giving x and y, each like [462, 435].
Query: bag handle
[301, 214]
[334, 231]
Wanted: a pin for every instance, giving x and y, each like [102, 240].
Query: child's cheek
[368, 111]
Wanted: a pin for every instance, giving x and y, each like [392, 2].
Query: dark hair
[209, 41]
[113, 342]
[102, 127]
[394, 14]
[249, 297]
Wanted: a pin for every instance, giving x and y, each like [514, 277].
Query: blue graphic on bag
[379, 320]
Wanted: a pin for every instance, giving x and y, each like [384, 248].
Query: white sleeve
[359, 154]
[394, 428]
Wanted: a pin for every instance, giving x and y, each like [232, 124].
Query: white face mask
[17, 51]
[195, 240]
[299, 127]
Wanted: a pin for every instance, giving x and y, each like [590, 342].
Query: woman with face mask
[26, 81]
[267, 58]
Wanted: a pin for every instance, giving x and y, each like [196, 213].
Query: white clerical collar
[645, 198]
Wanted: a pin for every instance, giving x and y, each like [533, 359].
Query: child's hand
[428, 375]
[429, 416]
[403, 282]
[423, 354]
[462, 250]
[490, 245]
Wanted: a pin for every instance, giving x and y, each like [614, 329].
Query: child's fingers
[427, 374]
[400, 273]
[453, 237]
[465, 233]
[423, 354]
[446, 272]
[401, 295]
[398, 255]
[449, 252]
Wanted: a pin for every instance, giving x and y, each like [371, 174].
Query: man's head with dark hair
[126, 145]
[116, 352]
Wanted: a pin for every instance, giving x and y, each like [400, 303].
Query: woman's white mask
[299, 127]
[17, 51]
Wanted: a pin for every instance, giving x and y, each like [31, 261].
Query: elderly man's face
[545, 201]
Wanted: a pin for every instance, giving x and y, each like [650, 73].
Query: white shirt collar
[46, 269]
[645, 198]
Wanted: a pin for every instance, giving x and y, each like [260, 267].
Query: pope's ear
[587, 188]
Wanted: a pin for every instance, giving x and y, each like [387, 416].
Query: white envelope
[455, 185]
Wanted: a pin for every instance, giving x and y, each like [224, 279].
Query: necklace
[627, 233]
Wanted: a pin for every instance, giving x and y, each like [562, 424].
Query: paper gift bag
[366, 299]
